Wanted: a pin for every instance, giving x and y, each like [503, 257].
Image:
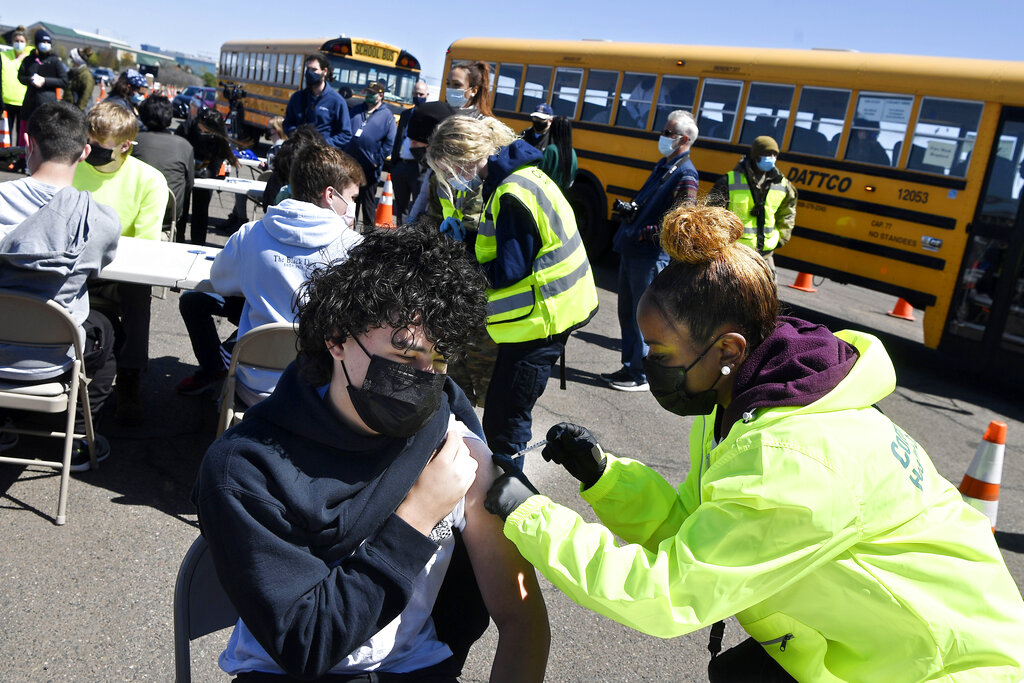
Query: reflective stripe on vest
[560, 293]
[741, 202]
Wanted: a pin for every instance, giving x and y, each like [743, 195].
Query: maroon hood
[795, 366]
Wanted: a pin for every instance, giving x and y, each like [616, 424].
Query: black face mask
[668, 386]
[313, 79]
[540, 126]
[99, 156]
[395, 399]
[419, 154]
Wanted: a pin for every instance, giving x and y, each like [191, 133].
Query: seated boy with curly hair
[343, 513]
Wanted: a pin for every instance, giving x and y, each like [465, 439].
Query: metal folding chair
[47, 324]
[201, 606]
[267, 347]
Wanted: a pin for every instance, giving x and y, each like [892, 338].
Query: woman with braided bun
[821, 525]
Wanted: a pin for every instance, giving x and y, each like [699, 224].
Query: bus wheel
[588, 204]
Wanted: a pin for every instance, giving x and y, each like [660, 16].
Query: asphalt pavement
[92, 600]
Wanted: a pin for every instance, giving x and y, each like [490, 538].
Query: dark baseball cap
[543, 112]
[424, 119]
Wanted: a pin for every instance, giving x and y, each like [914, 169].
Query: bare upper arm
[508, 583]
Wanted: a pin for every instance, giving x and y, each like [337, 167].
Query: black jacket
[285, 499]
[49, 67]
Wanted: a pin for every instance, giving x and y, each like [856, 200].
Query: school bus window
[258, 69]
[566, 93]
[283, 63]
[944, 136]
[535, 87]
[767, 111]
[506, 86]
[597, 98]
[1006, 177]
[677, 92]
[718, 103]
[879, 126]
[272, 69]
[635, 100]
[250, 65]
[819, 121]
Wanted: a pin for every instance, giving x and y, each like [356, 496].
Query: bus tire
[588, 203]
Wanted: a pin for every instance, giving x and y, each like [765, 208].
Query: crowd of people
[367, 525]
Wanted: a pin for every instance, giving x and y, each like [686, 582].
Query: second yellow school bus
[909, 169]
[271, 70]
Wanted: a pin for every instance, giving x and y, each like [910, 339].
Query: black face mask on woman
[99, 156]
[668, 384]
[395, 399]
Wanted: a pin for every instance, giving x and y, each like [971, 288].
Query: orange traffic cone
[980, 487]
[903, 309]
[385, 218]
[804, 282]
[5, 132]
[103, 90]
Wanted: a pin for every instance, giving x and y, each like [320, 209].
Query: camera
[233, 92]
[625, 211]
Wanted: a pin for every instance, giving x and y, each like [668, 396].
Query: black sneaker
[618, 375]
[629, 384]
[80, 453]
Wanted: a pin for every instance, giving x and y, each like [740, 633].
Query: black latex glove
[508, 491]
[575, 448]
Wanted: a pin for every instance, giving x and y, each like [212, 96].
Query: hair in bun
[699, 234]
[712, 279]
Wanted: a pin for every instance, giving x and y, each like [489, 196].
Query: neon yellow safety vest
[14, 90]
[741, 203]
[560, 293]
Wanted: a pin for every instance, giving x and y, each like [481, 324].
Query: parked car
[101, 73]
[181, 100]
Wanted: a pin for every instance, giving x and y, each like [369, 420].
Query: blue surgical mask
[460, 184]
[44, 48]
[137, 99]
[19, 46]
[765, 164]
[456, 98]
[666, 145]
[418, 100]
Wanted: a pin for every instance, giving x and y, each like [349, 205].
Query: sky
[987, 29]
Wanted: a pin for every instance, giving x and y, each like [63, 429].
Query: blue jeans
[521, 373]
[635, 274]
[197, 311]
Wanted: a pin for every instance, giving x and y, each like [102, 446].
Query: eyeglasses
[669, 133]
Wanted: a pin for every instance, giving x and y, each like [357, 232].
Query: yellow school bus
[269, 71]
[909, 169]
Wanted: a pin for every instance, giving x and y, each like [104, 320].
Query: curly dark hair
[397, 278]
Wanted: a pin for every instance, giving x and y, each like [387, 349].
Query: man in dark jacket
[42, 73]
[405, 168]
[339, 506]
[373, 136]
[168, 153]
[319, 104]
[673, 180]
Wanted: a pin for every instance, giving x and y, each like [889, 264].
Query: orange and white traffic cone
[5, 132]
[385, 217]
[980, 487]
[903, 309]
[804, 282]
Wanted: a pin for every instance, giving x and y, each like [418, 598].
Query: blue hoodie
[515, 231]
[268, 260]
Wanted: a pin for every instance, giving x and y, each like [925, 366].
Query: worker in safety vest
[760, 195]
[540, 285]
